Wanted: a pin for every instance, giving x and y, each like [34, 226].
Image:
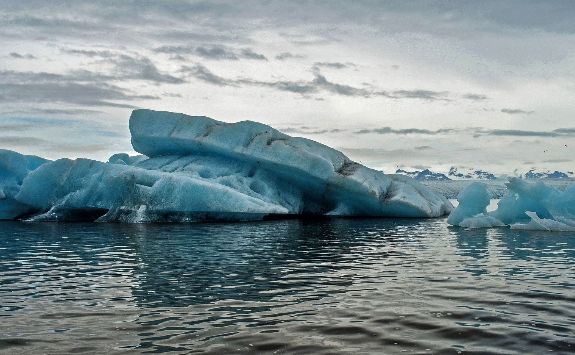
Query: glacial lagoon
[287, 286]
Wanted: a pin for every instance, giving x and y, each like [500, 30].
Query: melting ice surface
[196, 168]
[528, 206]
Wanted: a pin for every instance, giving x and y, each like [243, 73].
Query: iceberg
[194, 168]
[526, 206]
[14, 167]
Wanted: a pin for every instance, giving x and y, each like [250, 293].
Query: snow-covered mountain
[423, 175]
[533, 174]
[470, 174]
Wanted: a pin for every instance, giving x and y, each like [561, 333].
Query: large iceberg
[526, 206]
[196, 168]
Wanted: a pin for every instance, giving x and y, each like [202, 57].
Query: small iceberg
[194, 168]
[526, 206]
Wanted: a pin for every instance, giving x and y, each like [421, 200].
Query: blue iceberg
[194, 168]
[14, 167]
[526, 206]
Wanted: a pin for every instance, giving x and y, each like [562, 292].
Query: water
[336, 286]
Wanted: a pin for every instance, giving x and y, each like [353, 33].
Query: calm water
[336, 286]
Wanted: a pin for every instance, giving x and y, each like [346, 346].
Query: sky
[393, 84]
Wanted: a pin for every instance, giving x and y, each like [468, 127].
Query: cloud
[50, 111]
[556, 161]
[522, 133]
[514, 111]
[418, 94]
[202, 73]
[133, 67]
[213, 52]
[74, 88]
[475, 97]
[309, 130]
[21, 141]
[92, 53]
[476, 132]
[333, 65]
[142, 68]
[250, 54]
[322, 83]
[565, 131]
[21, 56]
[288, 55]
[318, 84]
[405, 131]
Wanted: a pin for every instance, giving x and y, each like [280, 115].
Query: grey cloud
[318, 84]
[17, 141]
[250, 54]
[423, 147]
[51, 111]
[514, 111]
[418, 94]
[187, 36]
[555, 161]
[288, 55]
[476, 132]
[321, 82]
[15, 127]
[21, 56]
[566, 131]
[333, 65]
[200, 72]
[309, 130]
[90, 52]
[475, 97]
[41, 87]
[135, 67]
[46, 145]
[142, 68]
[521, 133]
[51, 24]
[213, 52]
[404, 131]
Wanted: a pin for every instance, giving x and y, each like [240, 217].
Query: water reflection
[371, 284]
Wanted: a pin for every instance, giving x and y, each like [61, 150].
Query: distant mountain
[478, 174]
[533, 174]
[470, 174]
[423, 175]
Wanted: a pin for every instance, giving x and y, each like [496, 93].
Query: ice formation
[13, 168]
[527, 206]
[196, 168]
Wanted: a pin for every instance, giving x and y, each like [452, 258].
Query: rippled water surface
[334, 286]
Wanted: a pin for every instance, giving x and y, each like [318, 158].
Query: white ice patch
[526, 206]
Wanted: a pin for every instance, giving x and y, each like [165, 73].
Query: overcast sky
[487, 84]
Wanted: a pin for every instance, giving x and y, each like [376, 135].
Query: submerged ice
[527, 206]
[196, 168]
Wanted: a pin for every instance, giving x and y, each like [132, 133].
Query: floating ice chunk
[523, 196]
[544, 224]
[13, 169]
[473, 202]
[481, 220]
[526, 206]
